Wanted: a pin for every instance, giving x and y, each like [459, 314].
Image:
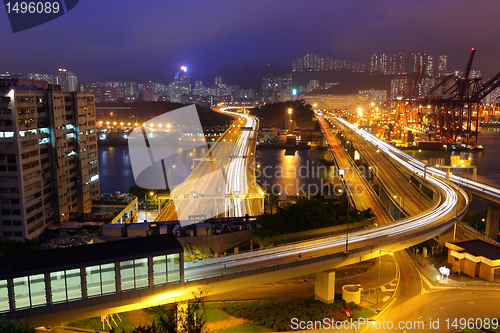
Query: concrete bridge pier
[324, 286]
[493, 221]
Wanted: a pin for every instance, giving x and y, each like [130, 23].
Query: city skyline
[105, 41]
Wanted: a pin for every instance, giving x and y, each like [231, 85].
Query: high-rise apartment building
[442, 64]
[8, 75]
[382, 64]
[417, 61]
[429, 69]
[399, 88]
[397, 64]
[67, 80]
[313, 63]
[48, 156]
[42, 77]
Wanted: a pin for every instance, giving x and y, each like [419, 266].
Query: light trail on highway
[223, 181]
[414, 164]
[452, 202]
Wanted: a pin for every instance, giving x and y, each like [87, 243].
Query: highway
[360, 190]
[420, 168]
[443, 211]
[223, 183]
[237, 271]
[393, 176]
[451, 201]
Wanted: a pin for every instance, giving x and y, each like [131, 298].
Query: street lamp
[169, 176]
[379, 260]
[290, 118]
[347, 224]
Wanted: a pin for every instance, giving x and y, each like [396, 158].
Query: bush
[277, 314]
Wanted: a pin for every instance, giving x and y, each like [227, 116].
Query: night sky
[110, 39]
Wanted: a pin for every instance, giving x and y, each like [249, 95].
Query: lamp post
[290, 118]
[347, 224]
[379, 268]
[173, 166]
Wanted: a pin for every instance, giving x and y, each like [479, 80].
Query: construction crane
[455, 114]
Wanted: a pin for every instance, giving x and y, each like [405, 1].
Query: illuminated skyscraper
[181, 85]
[275, 82]
[67, 80]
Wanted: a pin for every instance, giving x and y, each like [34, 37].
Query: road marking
[436, 313]
[411, 266]
[404, 270]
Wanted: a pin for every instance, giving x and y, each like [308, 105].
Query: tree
[9, 247]
[170, 320]
[273, 114]
[10, 326]
[271, 200]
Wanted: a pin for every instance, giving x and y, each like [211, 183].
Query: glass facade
[29, 291]
[58, 287]
[141, 273]
[108, 279]
[93, 274]
[73, 284]
[127, 275]
[66, 285]
[21, 293]
[134, 274]
[159, 270]
[173, 268]
[4, 296]
[100, 280]
[37, 290]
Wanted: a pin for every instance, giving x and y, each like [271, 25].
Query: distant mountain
[348, 82]
[143, 77]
